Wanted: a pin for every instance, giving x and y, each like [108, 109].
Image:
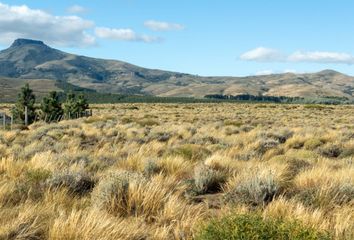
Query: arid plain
[163, 171]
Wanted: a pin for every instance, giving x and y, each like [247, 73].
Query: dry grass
[159, 171]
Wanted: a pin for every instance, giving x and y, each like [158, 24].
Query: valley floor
[163, 171]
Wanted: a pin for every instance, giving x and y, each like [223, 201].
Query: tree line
[51, 107]
[281, 99]
[252, 98]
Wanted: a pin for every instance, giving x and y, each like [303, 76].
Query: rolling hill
[42, 66]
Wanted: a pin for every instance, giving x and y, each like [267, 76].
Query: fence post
[26, 116]
[12, 121]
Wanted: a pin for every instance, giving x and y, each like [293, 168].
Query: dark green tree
[70, 108]
[82, 104]
[51, 107]
[26, 98]
[75, 106]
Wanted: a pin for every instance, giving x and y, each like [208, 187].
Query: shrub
[111, 193]
[282, 135]
[163, 137]
[151, 167]
[191, 152]
[38, 175]
[253, 226]
[331, 151]
[254, 190]
[76, 182]
[264, 145]
[208, 180]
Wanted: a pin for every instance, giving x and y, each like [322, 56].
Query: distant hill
[42, 66]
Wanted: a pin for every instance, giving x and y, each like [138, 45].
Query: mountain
[35, 62]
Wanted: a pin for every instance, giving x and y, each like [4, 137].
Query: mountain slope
[29, 59]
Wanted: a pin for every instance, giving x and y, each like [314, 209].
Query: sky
[204, 37]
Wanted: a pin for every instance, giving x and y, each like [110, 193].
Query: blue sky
[200, 37]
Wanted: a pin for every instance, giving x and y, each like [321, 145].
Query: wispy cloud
[264, 72]
[290, 71]
[322, 57]
[263, 54]
[162, 26]
[76, 9]
[270, 71]
[22, 21]
[123, 34]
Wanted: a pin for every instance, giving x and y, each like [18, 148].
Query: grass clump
[233, 123]
[253, 226]
[191, 152]
[295, 142]
[312, 143]
[111, 193]
[207, 180]
[255, 190]
[147, 122]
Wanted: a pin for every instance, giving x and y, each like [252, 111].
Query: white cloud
[322, 57]
[76, 9]
[289, 71]
[123, 34]
[24, 22]
[264, 72]
[262, 54]
[162, 26]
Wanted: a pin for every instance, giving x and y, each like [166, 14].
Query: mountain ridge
[33, 59]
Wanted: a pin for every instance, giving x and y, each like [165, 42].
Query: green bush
[253, 226]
